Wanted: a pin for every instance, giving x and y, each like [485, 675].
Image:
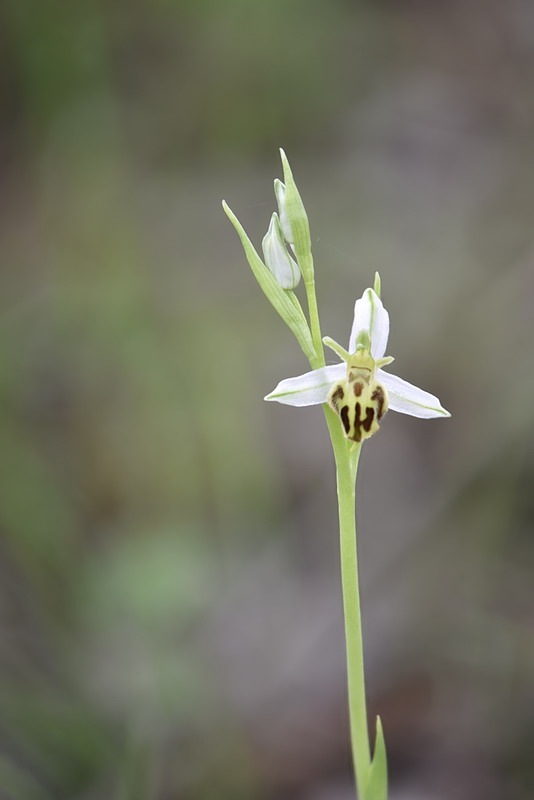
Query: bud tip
[378, 283]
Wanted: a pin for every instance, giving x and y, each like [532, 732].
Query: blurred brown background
[170, 611]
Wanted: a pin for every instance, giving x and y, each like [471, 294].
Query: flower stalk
[315, 326]
[346, 473]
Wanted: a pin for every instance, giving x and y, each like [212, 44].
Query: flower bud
[297, 220]
[284, 268]
[280, 192]
[378, 284]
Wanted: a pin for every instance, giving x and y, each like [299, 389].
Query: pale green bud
[280, 192]
[284, 268]
[297, 220]
[378, 284]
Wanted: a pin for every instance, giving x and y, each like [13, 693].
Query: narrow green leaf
[377, 784]
[285, 302]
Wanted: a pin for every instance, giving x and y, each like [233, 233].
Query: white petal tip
[310, 389]
[408, 399]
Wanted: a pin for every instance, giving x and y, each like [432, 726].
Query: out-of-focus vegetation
[170, 607]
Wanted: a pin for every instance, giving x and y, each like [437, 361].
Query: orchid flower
[358, 389]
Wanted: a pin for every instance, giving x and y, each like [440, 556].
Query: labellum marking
[344, 414]
[360, 401]
[335, 397]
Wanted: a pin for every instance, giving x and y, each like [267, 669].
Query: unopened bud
[284, 268]
[280, 192]
[297, 220]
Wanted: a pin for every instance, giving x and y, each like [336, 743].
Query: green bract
[284, 301]
[377, 782]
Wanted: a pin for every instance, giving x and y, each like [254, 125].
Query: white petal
[371, 316]
[310, 389]
[409, 399]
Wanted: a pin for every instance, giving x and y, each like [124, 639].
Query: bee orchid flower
[358, 389]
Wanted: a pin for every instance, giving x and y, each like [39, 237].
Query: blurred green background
[170, 611]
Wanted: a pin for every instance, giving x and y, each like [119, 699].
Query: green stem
[315, 327]
[346, 467]
[347, 458]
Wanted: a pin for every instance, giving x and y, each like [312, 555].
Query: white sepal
[310, 389]
[284, 268]
[406, 398]
[370, 316]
